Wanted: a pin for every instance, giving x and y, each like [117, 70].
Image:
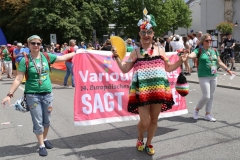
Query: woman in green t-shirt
[38, 89]
[208, 62]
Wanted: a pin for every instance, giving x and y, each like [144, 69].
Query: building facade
[206, 14]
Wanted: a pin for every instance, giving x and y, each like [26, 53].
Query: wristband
[226, 69]
[10, 95]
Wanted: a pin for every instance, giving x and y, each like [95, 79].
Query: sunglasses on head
[35, 43]
[208, 40]
[143, 33]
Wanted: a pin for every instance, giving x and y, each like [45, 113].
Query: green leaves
[169, 14]
[78, 18]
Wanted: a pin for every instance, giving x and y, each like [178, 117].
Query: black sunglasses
[208, 40]
[35, 43]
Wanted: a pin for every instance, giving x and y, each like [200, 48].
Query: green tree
[67, 18]
[183, 14]
[167, 14]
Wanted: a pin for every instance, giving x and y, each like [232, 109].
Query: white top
[176, 45]
[195, 42]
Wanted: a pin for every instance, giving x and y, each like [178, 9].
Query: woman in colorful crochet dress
[150, 91]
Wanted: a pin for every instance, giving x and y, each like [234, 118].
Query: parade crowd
[149, 93]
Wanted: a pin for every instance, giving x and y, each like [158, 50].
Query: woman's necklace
[147, 52]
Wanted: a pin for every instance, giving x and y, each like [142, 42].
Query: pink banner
[101, 90]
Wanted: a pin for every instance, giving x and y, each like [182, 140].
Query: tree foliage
[67, 18]
[168, 14]
[78, 18]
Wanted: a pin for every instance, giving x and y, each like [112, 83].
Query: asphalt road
[180, 138]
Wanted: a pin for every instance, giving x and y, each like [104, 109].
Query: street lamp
[236, 24]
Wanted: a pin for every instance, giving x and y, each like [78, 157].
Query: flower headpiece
[147, 23]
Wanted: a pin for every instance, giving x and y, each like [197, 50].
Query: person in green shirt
[129, 45]
[38, 89]
[7, 61]
[208, 61]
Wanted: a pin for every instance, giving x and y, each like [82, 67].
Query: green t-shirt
[130, 48]
[6, 55]
[206, 60]
[32, 84]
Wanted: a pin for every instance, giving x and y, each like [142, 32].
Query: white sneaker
[209, 118]
[195, 114]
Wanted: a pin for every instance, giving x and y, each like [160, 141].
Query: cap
[133, 41]
[9, 45]
[19, 44]
[177, 37]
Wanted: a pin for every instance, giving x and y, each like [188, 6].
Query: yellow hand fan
[120, 46]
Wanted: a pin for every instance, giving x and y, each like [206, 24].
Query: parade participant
[150, 91]
[106, 46]
[69, 64]
[18, 55]
[186, 63]
[14, 68]
[1, 64]
[38, 90]
[7, 61]
[208, 59]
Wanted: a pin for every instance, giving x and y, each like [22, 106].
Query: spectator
[68, 63]
[186, 63]
[135, 46]
[129, 45]
[90, 47]
[57, 49]
[1, 64]
[14, 68]
[176, 44]
[65, 46]
[107, 45]
[97, 45]
[167, 45]
[82, 46]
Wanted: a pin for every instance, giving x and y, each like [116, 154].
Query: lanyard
[39, 70]
[209, 54]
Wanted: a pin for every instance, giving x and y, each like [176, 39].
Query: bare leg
[143, 124]
[40, 139]
[155, 110]
[45, 132]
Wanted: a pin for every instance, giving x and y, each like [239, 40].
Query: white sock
[45, 139]
[41, 146]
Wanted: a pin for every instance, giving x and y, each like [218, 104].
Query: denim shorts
[40, 107]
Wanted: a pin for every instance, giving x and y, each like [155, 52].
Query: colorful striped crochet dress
[149, 85]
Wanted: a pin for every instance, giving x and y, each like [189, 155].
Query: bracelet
[166, 59]
[226, 69]
[115, 56]
[10, 95]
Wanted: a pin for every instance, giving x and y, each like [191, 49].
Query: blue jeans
[40, 106]
[69, 70]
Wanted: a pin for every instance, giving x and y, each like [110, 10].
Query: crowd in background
[11, 54]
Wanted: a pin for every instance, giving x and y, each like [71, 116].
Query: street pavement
[176, 138]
